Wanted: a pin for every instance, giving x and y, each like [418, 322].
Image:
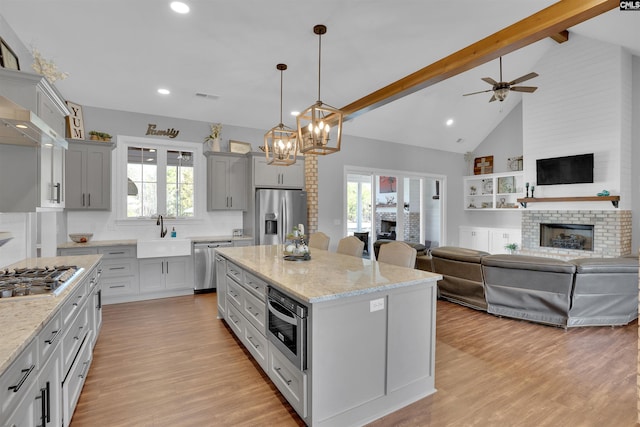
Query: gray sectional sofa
[580, 292]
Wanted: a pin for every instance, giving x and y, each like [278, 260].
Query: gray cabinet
[88, 175]
[265, 175]
[171, 273]
[221, 285]
[226, 181]
[36, 173]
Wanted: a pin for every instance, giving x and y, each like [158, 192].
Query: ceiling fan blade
[489, 80]
[524, 88]
[475, 93]
[523, 78]
[493, 98]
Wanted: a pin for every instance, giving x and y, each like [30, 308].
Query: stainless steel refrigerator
[277, 212]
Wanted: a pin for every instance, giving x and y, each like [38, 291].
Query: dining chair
[350, 245]
[319, 240]
[364, 236]
[398, 253]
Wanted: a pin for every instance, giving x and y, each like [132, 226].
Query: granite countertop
[134, 242]
[327, 275]
[23, 317]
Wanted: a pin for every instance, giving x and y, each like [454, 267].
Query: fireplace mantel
[613, 199]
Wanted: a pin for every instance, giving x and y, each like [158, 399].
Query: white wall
[582, 106]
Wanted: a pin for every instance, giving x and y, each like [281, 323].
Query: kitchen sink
[157, 248]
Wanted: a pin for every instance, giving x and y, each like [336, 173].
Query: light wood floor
[170, 362]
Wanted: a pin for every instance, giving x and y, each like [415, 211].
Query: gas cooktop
[36, 281]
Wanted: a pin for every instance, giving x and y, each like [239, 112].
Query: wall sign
[75, 122]
[171, 133]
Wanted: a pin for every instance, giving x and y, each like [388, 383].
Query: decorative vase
[215, 144]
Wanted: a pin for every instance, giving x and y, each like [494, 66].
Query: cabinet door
[98, 177]
[49, 380]
[293, 175]
[57, 176]
[221, 285]
[74, 177]
[502, 237]
[152, 274]
[218, 175]
[474, 238]
[265, 175]
[178, 272]
[238, 183]
[46, 177]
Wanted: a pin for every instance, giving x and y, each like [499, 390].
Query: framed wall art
[239, 147]
[8, 59]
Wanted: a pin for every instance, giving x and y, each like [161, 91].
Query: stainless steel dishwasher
[204, 259]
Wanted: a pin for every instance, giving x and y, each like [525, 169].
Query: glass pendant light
[320, 125]
[281, 142]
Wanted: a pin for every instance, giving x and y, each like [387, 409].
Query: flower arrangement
[216, 130]
[46, 67]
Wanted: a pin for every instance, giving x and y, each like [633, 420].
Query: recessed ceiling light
[295, 113]
[179, 7]
[449, 122]
[163, 91]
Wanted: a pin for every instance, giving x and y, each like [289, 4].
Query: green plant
[216, 130]
[511, 246]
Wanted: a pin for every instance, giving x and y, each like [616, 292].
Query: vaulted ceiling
[118, 53]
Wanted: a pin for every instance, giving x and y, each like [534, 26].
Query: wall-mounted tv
[565, 170]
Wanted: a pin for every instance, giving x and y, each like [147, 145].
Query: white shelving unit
[496, 191]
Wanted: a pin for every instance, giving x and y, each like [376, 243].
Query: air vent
[207, 96]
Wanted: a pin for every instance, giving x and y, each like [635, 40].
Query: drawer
[77, 251]
[291, 382]
[234, 271]
[18, 378]
[256, 285]
[116, 286]
[49, 337]
[74, 335]
[256, 343]
[93, 277]
[117, 252]
[255, 311]
[74, 302]
[235, 320]
[74, 381]
[118, 267]
[234, 293]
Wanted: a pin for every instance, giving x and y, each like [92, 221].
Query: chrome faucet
[160, 222]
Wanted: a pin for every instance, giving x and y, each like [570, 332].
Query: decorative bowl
[81, 237]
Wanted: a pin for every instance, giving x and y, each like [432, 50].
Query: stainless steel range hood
[19, 126]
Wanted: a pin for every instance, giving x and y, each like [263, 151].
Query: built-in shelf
[613, 199]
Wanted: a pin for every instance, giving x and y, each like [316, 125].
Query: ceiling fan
[501, 89]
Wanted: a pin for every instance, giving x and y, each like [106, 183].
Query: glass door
[359, 212]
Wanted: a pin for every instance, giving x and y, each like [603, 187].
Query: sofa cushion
[525, 262]
[606, 265]
[458, 254]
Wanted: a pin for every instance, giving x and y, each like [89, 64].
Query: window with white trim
[160, 178]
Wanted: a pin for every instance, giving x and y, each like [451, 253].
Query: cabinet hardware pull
[77, 337]
[53, 338]
[116, 253]
[99, 306]
[86, 368]
[48, 402]
[167, 267]
[43, 407]
[116, 268]
[25, 373]
[82, 199]
[282, 376]
[89, 198]
[250, 339]
[116, 286]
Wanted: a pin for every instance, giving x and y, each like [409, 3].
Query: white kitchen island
[370, 330]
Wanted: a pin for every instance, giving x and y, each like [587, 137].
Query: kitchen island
[370, 330]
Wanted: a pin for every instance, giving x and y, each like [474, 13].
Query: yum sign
[75, 122]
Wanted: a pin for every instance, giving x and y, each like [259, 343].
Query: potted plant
[511, 247]
[214, 137]
[99, 136]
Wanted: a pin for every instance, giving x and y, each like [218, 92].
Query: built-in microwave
[287, 327]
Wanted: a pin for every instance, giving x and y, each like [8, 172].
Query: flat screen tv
[565, 170]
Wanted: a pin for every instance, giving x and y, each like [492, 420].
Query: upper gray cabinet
[88, 175]
[35, 173]
[265, 175]
[226, 181]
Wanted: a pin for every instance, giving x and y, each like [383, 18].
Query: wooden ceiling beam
[561, 37]
[548, 22]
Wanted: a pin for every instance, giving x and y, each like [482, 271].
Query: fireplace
[567, 236]
[387, 229]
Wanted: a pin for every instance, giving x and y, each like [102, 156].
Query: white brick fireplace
[612, 231]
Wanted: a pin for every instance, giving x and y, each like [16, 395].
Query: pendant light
[320, 126]
[281, 142]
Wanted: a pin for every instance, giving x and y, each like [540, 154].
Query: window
[159, 178]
